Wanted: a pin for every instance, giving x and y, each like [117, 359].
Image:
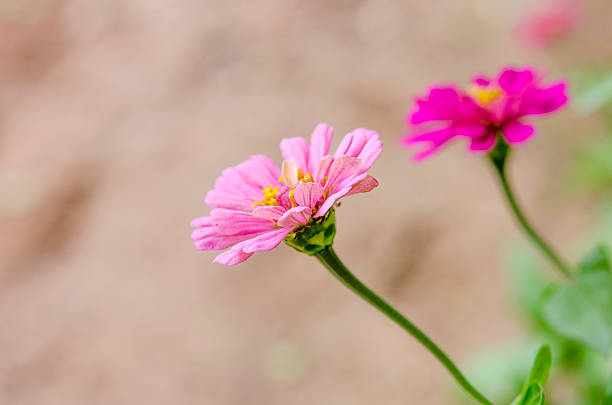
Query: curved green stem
[329, 259]
[498, 158]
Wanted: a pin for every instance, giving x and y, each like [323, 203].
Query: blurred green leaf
[541, 366]
[596, 96]
[533, 391]
[608, 395]
[582, 310]
[592, 168]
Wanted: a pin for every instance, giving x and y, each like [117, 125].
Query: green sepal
[315, 236]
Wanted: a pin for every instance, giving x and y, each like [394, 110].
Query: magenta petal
[294, 217]
[482, 144]
[267, 241]
[319, 145]
[271, 213]
[308, 194]
[229, 222]
[363, 186]
[543, 101]
[514, 82]
[516, 132]
[442, 103]
[341, 169]
[296, 148]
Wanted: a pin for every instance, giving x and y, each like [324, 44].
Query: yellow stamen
[269, 197]
[484, 94]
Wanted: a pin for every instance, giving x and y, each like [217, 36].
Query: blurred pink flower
[545, 25]
[257, 204]
[486, 108]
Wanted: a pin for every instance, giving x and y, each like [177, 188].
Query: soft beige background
[115, 119]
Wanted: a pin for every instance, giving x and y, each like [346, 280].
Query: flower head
[486, 108]
[546, 25]
[256, 204]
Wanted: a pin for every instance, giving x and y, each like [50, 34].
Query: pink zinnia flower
[257, 204]
[482, 111]
[546, 25]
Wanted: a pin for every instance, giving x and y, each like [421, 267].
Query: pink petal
[308, 194]
[516, 132]
[296, 148]
[240, 186]
[203, 221]
[363, 144]
[343, 191]
[341, 169]
[363, 186]
[233, 256]
[271, 213]
[542, 101]
[244, 250]
[267, 241]
[319, 145]
[514, 82]
[322, 168]
[294, 217]
[229, 222]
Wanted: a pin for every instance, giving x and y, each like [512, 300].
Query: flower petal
[233, 256]
[230, 222]
[516, 132]
[244, 250]
[319, 145]
[267, 241]
[341, 192]
[513, 82]
[363, 186]
[294, 217]
[341, 169]
[482, 144]
[308, 194]
[271, 213]
[240, 186]
[542, 101]
[363, 144]
[322, 168]
[296, 148]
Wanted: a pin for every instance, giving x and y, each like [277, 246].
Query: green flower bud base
[315, 236]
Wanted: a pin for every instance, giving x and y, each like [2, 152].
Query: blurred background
[117, 116]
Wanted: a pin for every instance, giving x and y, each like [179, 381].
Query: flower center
[484, 94]
[269, 197]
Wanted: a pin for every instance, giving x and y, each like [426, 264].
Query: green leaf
[582, 311]
[534, 395]
[597, 96]
[541, 366]
[596, 260]
[533, 390]
[608, 396]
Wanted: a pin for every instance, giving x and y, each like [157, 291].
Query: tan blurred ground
[115, 119]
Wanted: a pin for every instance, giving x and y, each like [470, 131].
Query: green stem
[499, 162]
[331, 261]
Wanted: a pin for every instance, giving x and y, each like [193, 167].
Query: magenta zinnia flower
[482, 111]
[257, 204]
[547, 24]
